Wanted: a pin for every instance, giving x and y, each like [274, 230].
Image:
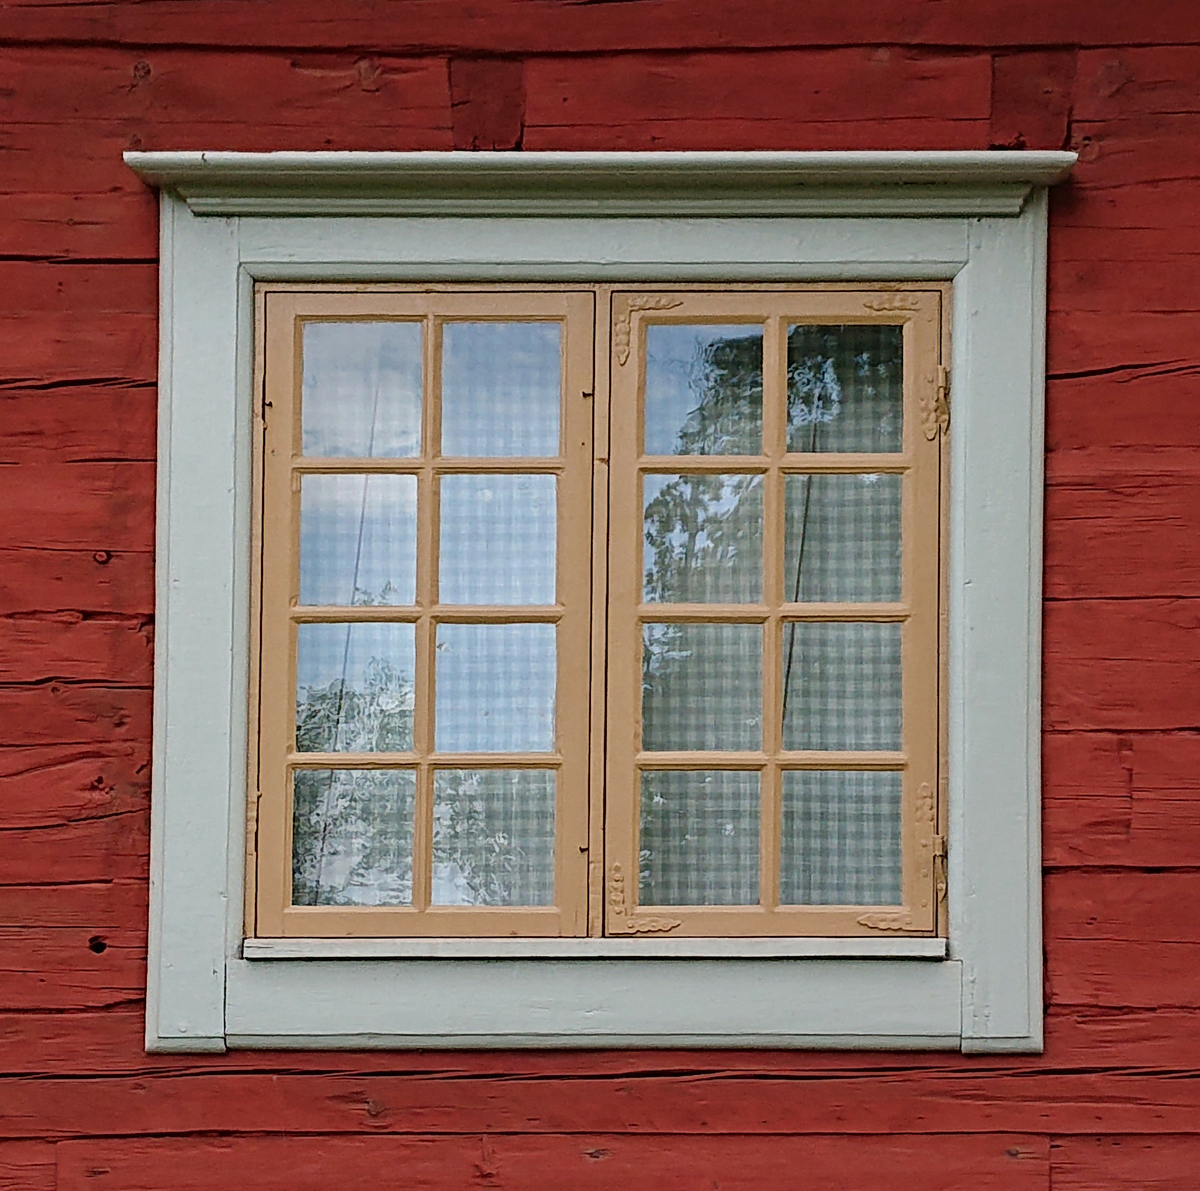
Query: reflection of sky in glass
[498, 539]
[327, 653]
[500, 388]
[358, 539]
[692, 385]
[362, 389]
[495, 688]
[702, 538]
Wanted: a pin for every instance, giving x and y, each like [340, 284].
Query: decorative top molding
[983, 182]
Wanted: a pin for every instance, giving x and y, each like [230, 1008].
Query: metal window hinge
[940, 853]
[935, 409]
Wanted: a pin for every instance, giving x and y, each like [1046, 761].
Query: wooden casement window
[599, 610]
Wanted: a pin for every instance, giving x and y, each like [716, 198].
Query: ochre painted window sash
[599, 609]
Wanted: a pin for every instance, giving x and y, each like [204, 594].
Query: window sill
[855, 948]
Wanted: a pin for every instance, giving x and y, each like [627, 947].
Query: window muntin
[747, 808]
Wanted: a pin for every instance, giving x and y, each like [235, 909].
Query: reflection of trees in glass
[343, 719]
[493, 837]
[703, 535]
[847, 382]
[726, 377]
[352, 833]
[352, 829]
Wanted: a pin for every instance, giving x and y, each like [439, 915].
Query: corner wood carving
[623, 326]
[621, 920]
[935, 405]
[899, 301]
[925, 814]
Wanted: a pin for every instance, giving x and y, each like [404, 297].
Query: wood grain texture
[1032, 96]
[548, 26]
[794, 99]
[586, 1161]
[1130, 1163]
[704, 1104]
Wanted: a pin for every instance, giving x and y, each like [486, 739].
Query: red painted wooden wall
[1115, 1100]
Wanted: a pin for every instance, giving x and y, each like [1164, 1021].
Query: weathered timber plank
[28, 287]
[1094, 412]
[33, 579]
[1131, 799]
[1134, 536]
[547, 26]
[796, 86]
[1166, 1163]
[998, 1162]
[41, 348]
[234, 96]
[788, 99]
[1125, 905]
[1084, 341]
[59, 713]
[114, 848]
[1166, 1039]
[1121, 664]
[79, 226]
[97, 507]
[1031, 99]
[1117, 974]
[974, 1098]
[78, 423]
[1124, 80]
[74, 647]
[65, 968]
[1104, 282]
[56, 785]
[731, 134]
[103, 905]
[27, 1166]
[487, 99]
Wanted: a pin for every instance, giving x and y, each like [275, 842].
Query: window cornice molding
[724, 184]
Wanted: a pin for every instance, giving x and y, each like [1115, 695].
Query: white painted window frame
[229, 219]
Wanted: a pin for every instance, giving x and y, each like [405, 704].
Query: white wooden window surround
[977, 219]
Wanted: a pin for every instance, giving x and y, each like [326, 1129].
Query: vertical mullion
[427, 562]
[774, 447]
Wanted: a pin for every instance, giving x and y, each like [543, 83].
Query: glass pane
[842, 538]
[699, 838]
[702, 539]
[841, 686]
[362, 389]
[498, 539]
[702, 686]
[846, 388]
[493, 837]
[500, 388]
[354, 688]
[841, 839]
[352, 837]
[495, 688]
[703, 390]
[358, 539]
